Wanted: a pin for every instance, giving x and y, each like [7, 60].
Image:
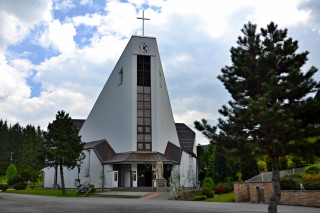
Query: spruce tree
[63, 146]
[272, 110]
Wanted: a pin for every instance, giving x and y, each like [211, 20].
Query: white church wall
[187, 163]
[165, 129]
[96, 170]
[111, 117]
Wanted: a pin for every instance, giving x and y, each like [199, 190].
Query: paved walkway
[18, 203]
[136, 195]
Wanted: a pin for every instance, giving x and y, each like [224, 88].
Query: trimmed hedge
[20, 186]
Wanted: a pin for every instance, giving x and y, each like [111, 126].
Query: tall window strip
[144, 138]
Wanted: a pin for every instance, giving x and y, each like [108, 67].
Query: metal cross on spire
[143, 18]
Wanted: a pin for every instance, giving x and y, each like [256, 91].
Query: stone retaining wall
[250, 192]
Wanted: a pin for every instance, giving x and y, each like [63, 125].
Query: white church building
[131, 127]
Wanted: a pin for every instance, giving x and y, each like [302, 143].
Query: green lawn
[48, 192]
[227, 197]
[3, 179]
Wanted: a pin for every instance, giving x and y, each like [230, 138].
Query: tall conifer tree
[272, 111]
[63, 146]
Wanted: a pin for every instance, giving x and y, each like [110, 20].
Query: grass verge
[227, 197]
[48, 192]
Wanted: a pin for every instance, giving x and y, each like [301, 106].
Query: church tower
[133, 111]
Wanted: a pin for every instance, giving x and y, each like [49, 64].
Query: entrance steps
[134, 189]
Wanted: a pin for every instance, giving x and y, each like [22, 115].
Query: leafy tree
[11, 171]
[63, 146]
[221, 165]
[272, 111]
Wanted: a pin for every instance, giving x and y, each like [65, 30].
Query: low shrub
[227, 187]
[311, 170]
[311, 185]
[207, 190]
[219, 190]
[291, 182]
[20, 186]
[16, 179]
[311, 178]
[3, 187]
[208, 180]
[200, 197]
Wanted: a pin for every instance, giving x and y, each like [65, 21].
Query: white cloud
[88, 19]
[22, 16]
[120, 20]
[59, 36]
[63, 4]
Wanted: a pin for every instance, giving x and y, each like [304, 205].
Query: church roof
[173, 152]
[78, 123]
[102, 148]
[186, 137]
[138, 157]
[106, 154]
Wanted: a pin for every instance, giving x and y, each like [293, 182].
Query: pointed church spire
[143, 18]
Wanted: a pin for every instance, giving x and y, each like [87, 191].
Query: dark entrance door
[124, 174]
[145, 175]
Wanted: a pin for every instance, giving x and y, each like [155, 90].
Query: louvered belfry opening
[144, 138]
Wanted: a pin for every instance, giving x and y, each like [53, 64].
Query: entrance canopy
[107, 155]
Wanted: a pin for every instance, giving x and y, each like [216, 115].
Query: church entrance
[124, 174]
[145, 175]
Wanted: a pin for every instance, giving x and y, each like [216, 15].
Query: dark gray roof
[102, 148]
[78, 123]
[186, 137]
[138, 157]
[106, 154]
[173, 152]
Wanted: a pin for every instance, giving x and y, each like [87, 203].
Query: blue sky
[58, 54]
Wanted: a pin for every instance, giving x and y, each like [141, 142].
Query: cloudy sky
[58, 54]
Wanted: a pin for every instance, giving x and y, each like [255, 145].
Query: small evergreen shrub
[311, 185]
[11, 171]
[3, 187]
[208, 180]
[16, 179]
[200, 197]
[312, 170]
[20, 186]
[207, 190]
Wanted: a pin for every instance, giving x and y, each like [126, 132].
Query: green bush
[291, 182]
[227, 187]
[207, 190]
[3, 187]
[311, 185]
[209, 180]
[200, 197]
[20, 186]
[16, 179]
[11, 171]
[310, 170]
[228, 179]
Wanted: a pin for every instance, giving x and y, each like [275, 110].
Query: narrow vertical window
[144, 137]
[120, 77]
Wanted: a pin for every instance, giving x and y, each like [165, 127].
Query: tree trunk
[62, 180]
[275, 198]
